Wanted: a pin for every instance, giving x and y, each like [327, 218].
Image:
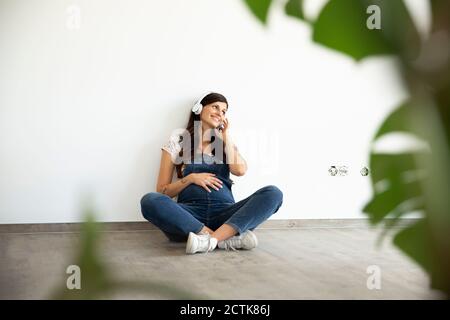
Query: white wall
[86, 109]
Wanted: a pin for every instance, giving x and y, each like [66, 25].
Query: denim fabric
[196, 207]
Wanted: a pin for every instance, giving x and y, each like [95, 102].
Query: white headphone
[197, 107]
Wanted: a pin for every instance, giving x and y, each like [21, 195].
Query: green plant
[97, 279]
[418, 180]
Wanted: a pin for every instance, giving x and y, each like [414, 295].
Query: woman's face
[213, 114]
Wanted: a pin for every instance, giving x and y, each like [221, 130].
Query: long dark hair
[208, 99]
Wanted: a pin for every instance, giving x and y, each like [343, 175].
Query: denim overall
[194, 194]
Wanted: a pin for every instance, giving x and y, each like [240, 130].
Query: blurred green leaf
[397, 27]
[393, 167]
[95, 276]
[402, 119]
[260, 8]
[401, 175]
[417, 242]
[440, 11]
[294, 8]
[400, 198]
[411, 241]
[97, 280]
[403, 182]
[341, 25]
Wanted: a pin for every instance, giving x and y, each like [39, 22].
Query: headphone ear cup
[197, 108]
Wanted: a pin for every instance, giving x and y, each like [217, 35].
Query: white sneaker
[245, 241]
[200, 243]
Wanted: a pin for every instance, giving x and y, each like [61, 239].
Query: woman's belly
[196, 194]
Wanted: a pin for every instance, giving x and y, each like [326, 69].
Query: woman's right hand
[206, 179]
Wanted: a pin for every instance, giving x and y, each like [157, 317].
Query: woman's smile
[217, 118]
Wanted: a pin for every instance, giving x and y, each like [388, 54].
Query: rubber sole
[254, 240]
[189, 243]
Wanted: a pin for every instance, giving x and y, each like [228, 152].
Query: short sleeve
[172, 146]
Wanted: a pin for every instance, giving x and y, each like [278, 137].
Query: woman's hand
[237, 164]
[223, 133]
[226, 126]
[206, 179]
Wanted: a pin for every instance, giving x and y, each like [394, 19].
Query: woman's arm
[237, 164]
[165, 185]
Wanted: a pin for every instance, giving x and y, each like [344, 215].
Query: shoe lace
[232, 243]
[205, 236]
[210, 248]
[229, 246]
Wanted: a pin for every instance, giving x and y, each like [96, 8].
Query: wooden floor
[294, 263]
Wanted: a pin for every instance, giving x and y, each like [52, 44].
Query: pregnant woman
[205, 212]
